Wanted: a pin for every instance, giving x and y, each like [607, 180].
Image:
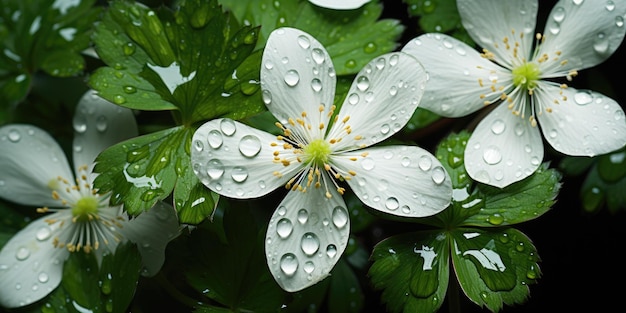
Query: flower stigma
[526, 76]
[317, 152]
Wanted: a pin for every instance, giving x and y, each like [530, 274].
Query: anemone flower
[340, 4]
[34, 171]
[318, 149]
[521, 81]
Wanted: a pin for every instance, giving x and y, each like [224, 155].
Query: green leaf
[234, 273]
[344, 294]
[195, 60]
[605, 183]
[351, 37]
[142, 170]
[495, 267]
[42, 35]
[412, 270]
[438, 16]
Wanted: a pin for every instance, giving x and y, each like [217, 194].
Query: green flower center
[526, 76]
[85, 207]
[317, 151]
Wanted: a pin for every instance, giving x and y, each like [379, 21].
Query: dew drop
[406, 161]
[303, 216]
[292, 78]
[267, 97]
[601, 43]
[558, 14]
[130, 89]
[351, 63]
[310, 244]
[583, 97]
[249, 145]
[43, 233]
[215, 139]
[380, 63]
[340, 217]
[101, 123]
[228, 127]
[392, 204]
[284, 228]
[80, 126]
[393, 90]
[498, 127]
[384, 129]
[552, 133]
[424, 163]
[519, 129]
[353, 98]
[198, 145]
[309, 267]
[289, 264]
[331, 251]
[239, 174]
[492, 155]
[362, 83]
[393, 60]
[119, 99]
[495, 219]
[438, 175]
[316, 85]
[22, 254]
[43, 277]
[215, 169]
[304, 41]
[14, 135]
[318, 55]
[368, 164]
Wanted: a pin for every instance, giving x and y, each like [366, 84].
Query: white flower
[319, 150]
[512, 74]
[34, 171]
[340, 4]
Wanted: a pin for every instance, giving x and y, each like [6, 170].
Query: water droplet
[318, 55]
[119, 99]
[22, 254]
[101, 123]
[498, 127]
[601, 43]
[384, 129]
[284, 228]
[438, 175]
[519, 129]
[492, 155]
[239, 174]
[406, 161]
[215, 169]
[368, 164]
[425, 163]
[303, 216]
[340, 217]
[43, 277]
[198, 145]
[558, 14]
[552, 133]
[351, 63]
[393, 60]
[228, 127]
[392, 204]
[353, 98]
[362, 83]
[289, 264]
[292, 78]
[215, 139]
[43, 233]
[316, 85]
[14, 135]
[304, 41]
[249, 145]
[310, 244]
[370, 47]
[380, 63]
[267, 97]
[331, 251]
[495, 219]
[583, 97]
[308, 267]
[80, 126]
[129, 49]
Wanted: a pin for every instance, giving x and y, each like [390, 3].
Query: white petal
[585, 33]
[99, 124]
[381, 100]
[237, 161]
[306, 236]
[29, 160]
[458, 75]
[503, 149]
[30, 266]
[152, 231]
[489, 22]
[340, 4]
[587, 124]
[399, 180]
[297, 76]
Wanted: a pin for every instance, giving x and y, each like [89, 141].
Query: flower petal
[399, 180]
[237, 161]
[306, 236]
[152, 231]
[30, 160]
[489, 22]
[340, 5]
[447, 60]
[297, 75]
[587, 124]
[381, 100]
[30, 266]
[585, 33]
[99, 124]
[503, 149]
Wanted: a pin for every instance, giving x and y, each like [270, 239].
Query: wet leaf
[438, 16]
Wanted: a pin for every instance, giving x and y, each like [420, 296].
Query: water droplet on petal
[239, 174]
[340, 217]
[331, 251]
[438, 175]
[498, 127]
[43, 233]
[583, 97]
[249, 145]
[101, 123]
[384, 129]
[215, 139]
[292, 78]
[316, 85]
[80, 126]
[368, 164]
[228, 127]
[284, 228]
[392, 204]
[308, 267]
[43, 277]
[215, 169]
[318, 55]
[406, 161]
[362, 83]
[303, 216]
[353, 98]
[304, 41]
[425, 163]
[22, 254]
[289, 264]
[267, 97]
[492, 155]
[14, 135]
[310, 244]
